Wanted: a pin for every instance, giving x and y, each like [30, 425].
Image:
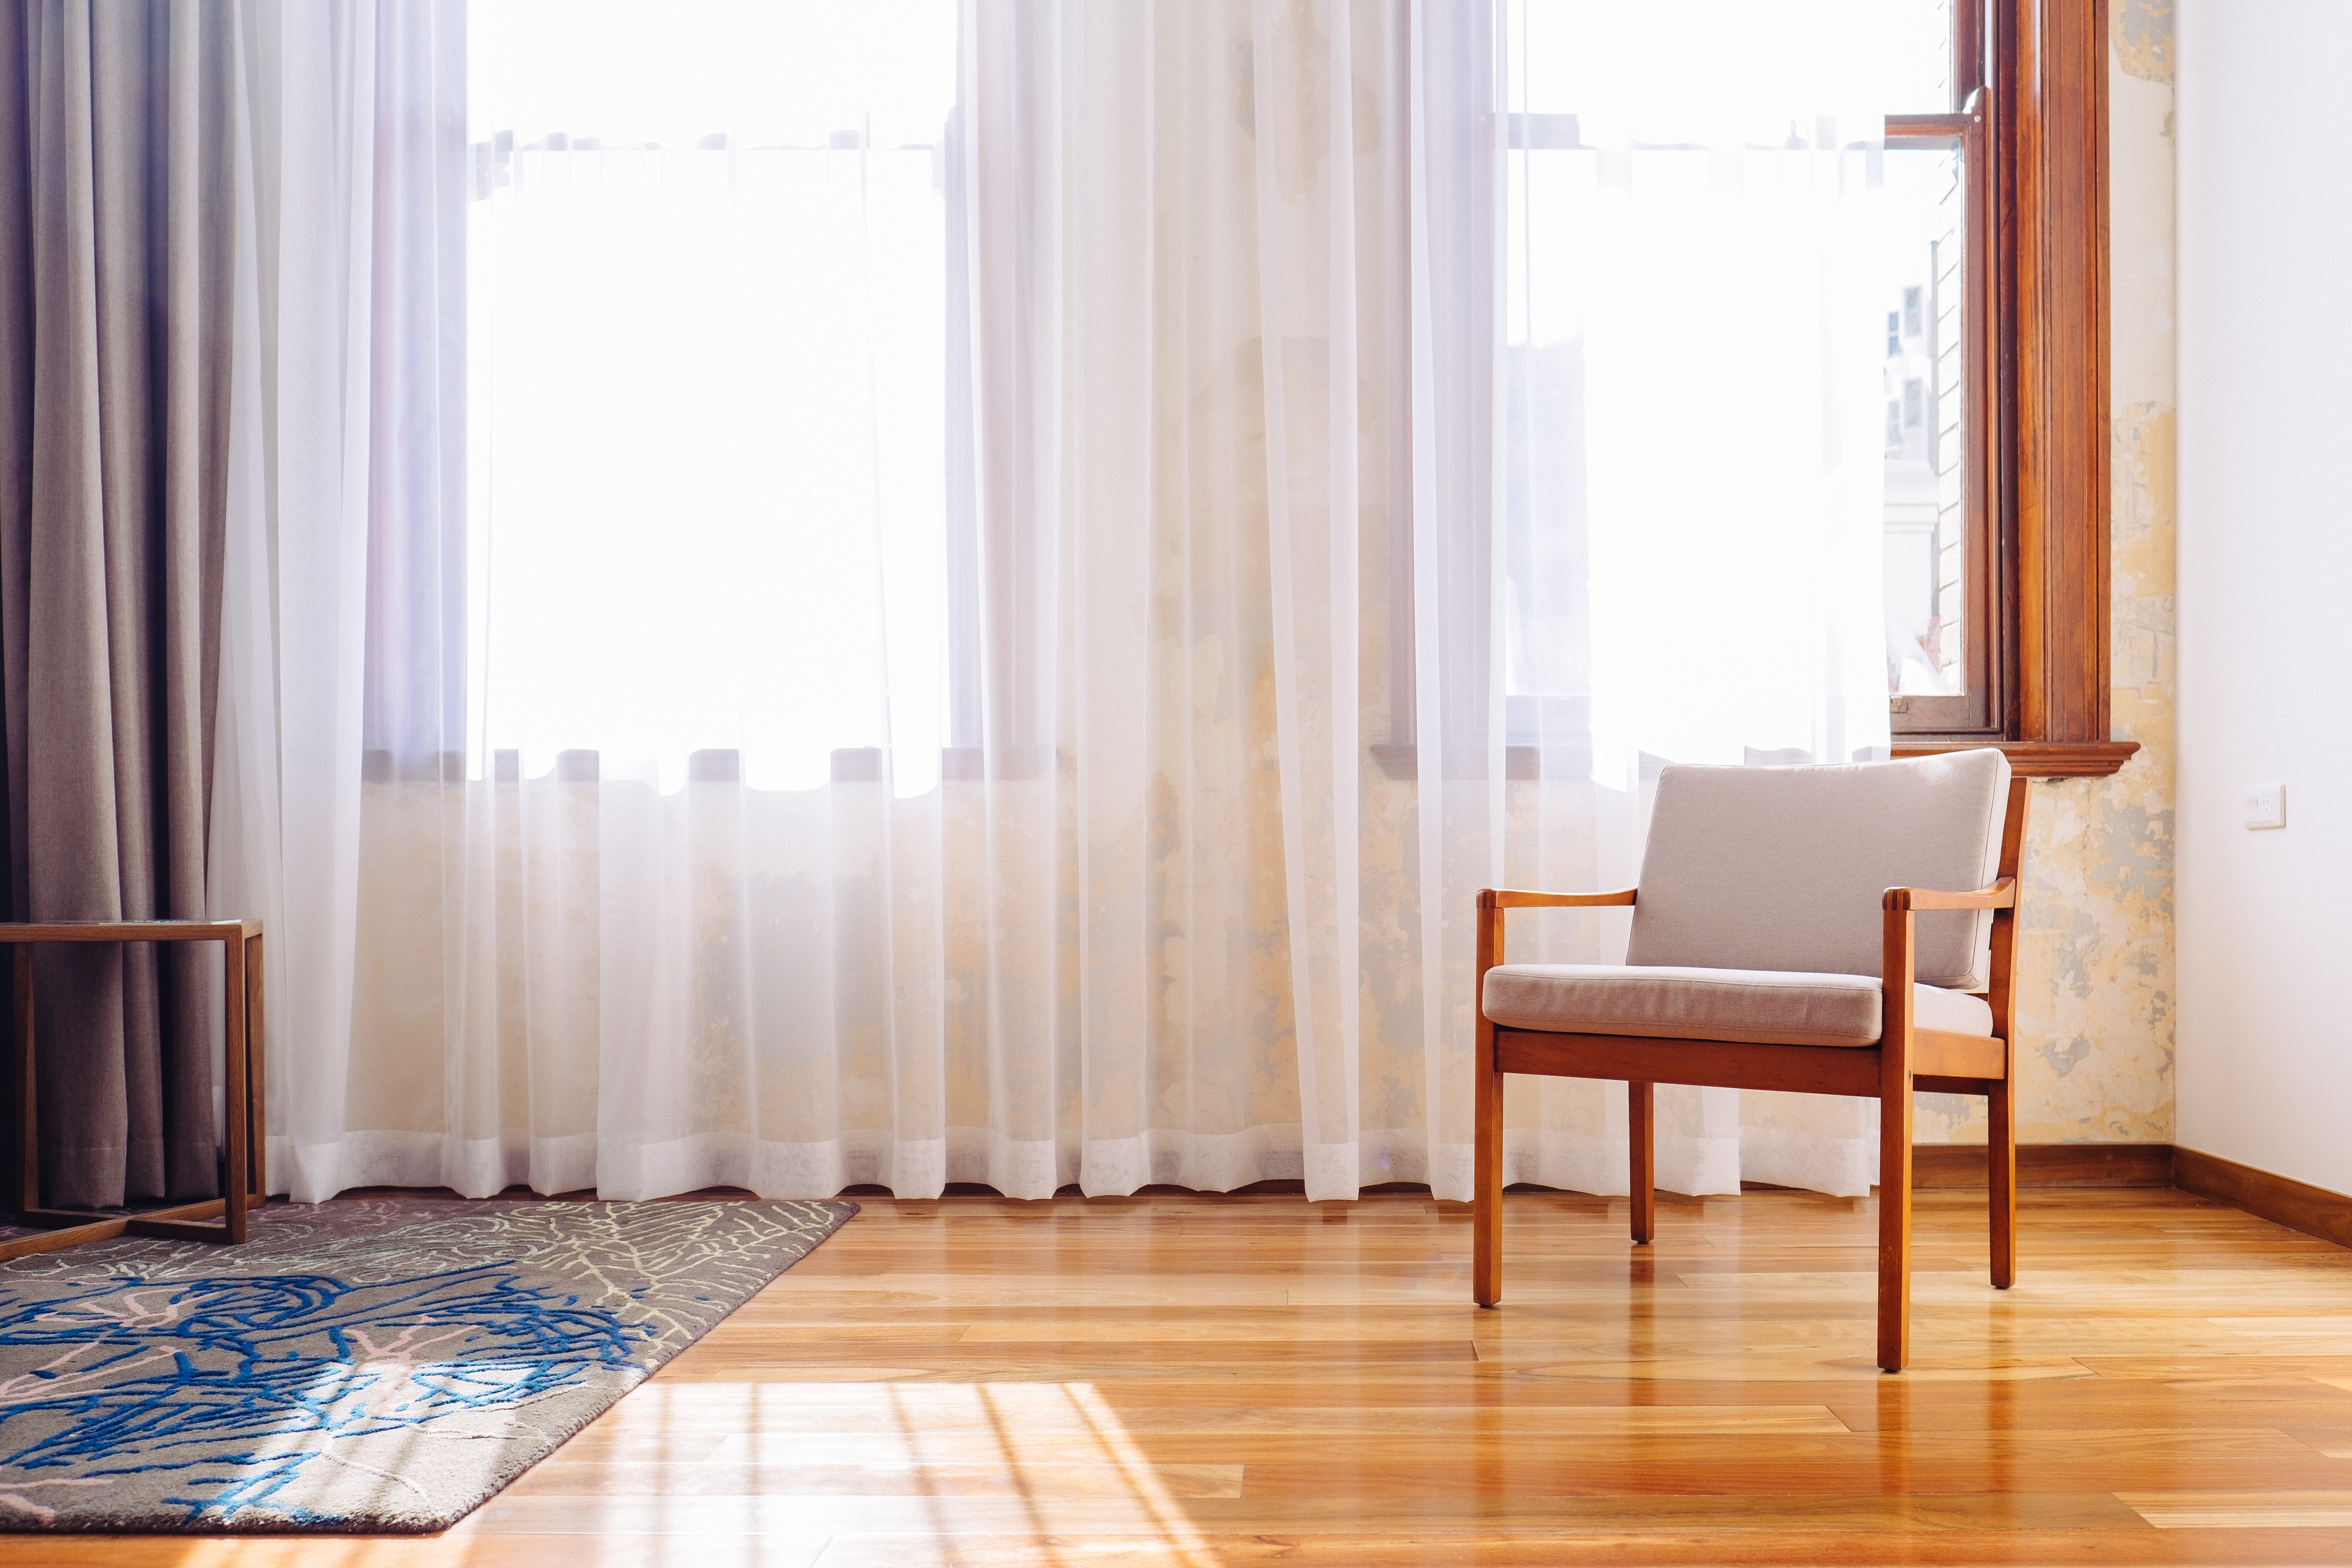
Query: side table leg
[235, 1169]
[256, 1077]
[29, 1145]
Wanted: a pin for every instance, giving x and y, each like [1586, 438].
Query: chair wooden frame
[244, 1164]
[1905, 1059]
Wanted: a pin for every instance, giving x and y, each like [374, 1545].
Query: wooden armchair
[1821, 929]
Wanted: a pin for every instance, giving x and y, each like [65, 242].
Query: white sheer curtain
[1015, 568]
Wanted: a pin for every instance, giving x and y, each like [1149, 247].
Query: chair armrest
[1520, 898]
[2001, 895]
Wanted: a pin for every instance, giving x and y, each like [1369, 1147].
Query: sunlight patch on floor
[902, 1471]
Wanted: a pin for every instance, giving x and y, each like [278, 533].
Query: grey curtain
[114, 257]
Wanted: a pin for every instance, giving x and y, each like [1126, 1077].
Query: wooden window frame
[2029, 91]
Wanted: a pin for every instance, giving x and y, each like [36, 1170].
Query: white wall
[2265, 919]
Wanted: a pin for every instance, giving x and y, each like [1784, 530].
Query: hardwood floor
[1188, 1380]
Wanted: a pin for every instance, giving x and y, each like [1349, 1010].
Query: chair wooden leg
[1894, 1230]
[2000, 1187]
[1642, 1125]
[1487, 1218]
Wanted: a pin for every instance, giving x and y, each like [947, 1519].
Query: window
[1702, 211]
[711, 297]
[1979, 321]
[2014, 315]
[1991, 261]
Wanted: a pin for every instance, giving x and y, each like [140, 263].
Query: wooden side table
[245, 1164]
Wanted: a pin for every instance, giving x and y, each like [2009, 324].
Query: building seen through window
[1926, 387]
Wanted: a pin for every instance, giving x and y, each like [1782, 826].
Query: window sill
[2038, 759]
[2029, 759]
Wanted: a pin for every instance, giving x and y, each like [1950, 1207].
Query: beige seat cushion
[1773, 1006]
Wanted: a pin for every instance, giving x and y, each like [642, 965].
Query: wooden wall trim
[2298, 1205]
[2047, 1165]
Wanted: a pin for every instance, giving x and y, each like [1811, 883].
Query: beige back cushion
[1782, 867]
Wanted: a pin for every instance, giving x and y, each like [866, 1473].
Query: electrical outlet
[2266, 805]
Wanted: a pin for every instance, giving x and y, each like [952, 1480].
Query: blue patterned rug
[372, 1365]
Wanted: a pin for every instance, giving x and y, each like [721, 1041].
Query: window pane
[1733, 370]
[1924, 384]
[710, 342]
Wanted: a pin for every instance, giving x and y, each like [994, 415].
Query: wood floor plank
[1196, 1380]
[1642, 1549]
[2253, 1508]
[1686, 1453]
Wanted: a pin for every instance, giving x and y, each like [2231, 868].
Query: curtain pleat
[111, 529]
[304, 312]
